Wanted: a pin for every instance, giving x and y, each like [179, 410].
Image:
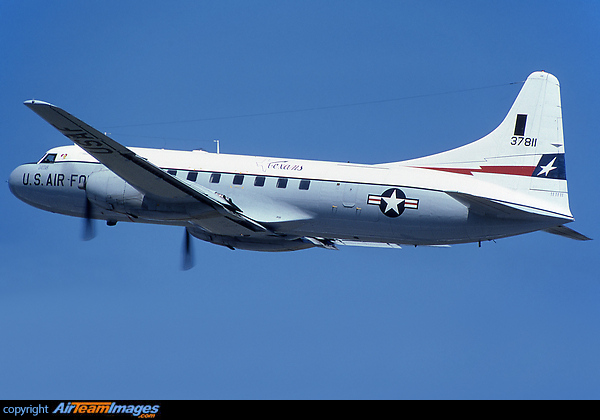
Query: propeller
[188, 257]
[88, 222]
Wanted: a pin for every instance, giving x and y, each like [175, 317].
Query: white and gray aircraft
[510, 182]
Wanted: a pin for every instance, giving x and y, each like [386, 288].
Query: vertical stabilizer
[526, 152]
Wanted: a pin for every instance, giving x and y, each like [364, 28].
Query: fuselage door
[349, 195]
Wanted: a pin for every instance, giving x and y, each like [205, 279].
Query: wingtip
[35, 102]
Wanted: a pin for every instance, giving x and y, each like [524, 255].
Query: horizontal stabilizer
[487, 207]
[496, 208]
[562, 230]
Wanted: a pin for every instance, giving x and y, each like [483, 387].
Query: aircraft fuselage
[297, 198]
[509, 182]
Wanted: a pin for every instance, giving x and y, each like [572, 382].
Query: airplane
[510, 182]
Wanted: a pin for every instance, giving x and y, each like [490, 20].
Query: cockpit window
[49, 158]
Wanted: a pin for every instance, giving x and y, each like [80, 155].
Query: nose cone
[23, 183]
[17, 182]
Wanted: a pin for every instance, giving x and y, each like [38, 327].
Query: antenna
[217, 141]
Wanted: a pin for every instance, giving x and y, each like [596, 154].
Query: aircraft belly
[436, 218]
[439, 219]
[488, 228]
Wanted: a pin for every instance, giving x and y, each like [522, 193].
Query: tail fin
[526, 152]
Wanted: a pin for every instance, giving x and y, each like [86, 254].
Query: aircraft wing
[136, 170]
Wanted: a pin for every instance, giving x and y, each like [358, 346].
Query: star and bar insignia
[392, 202]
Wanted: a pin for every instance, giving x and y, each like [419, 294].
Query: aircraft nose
[22, 183]
[12, 181]
[16, 182]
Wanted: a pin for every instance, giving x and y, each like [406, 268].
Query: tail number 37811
[523, 141]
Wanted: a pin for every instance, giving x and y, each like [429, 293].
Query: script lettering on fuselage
[284, 165]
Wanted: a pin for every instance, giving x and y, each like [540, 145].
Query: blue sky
[116, 318]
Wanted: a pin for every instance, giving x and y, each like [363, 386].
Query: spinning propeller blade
[88, 223]
[188, 257]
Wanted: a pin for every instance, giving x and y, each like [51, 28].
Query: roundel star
[392, 202]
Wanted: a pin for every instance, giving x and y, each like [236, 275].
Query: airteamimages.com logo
[141, 411]
[84, 408]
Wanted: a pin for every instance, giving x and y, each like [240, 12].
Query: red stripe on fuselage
[503, 170]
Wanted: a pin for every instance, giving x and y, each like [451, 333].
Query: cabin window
[259, 181]
[282, 182]
[304, 184]
[172, 172]
[192, 176]
[215, 178]
[238, 179]
[49, 158]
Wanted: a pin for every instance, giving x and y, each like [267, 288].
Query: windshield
[49, 158]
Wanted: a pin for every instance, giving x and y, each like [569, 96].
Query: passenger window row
[238, 179]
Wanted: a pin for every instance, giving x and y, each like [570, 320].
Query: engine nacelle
[110, 192]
